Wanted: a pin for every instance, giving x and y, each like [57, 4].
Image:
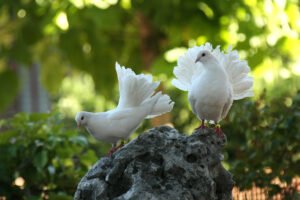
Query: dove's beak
[197, 59]
[78, 125]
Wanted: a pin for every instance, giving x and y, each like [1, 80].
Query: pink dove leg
[218, 130]
[115, 148]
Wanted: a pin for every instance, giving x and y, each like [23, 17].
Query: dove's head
[81, 118]
[204, 56]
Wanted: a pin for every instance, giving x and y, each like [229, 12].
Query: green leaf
[81, 140]
[40, 159]
[88, 157]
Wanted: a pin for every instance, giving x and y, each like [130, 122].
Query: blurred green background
[57, 57]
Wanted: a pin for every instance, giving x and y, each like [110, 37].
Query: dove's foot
[219, 131]
[203, 125]
[111, 151]
[115, 148]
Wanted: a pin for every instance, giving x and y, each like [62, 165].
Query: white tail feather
[136, 90]
[163, 105]
[237, 70]
[187, 69]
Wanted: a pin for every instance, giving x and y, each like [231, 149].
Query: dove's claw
[115, 148]
[111, 151]
[202, 125]
[219, 131]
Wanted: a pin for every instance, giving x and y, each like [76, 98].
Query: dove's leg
[112, 150]
[115, 148]
[202, 125]
[120, 145]
[218, 130]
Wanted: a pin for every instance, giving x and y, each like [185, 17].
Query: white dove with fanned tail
[137, 101]
[213, 80]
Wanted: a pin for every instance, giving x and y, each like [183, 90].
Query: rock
[161, 164]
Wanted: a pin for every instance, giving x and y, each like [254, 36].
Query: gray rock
[161, 164]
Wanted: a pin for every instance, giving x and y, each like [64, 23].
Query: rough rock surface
[161, 164]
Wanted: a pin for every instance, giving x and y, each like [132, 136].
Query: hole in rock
[191, 158]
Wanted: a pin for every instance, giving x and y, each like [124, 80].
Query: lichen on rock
[161, 164]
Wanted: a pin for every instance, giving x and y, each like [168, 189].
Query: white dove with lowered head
[213, 80]
[137, 101]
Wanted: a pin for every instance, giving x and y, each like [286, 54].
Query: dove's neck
[214, 66]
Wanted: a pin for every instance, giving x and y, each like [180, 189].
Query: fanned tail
[136, 90]
[237, 70]
[163, 105]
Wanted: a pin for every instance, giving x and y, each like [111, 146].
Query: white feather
[137, 101]
[236, 69]
[212, 88]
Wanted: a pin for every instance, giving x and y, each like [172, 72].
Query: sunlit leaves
[92, 35]
[265, 150]
[45, 152]
[40, 160]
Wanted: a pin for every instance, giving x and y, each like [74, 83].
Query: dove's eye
[203, 54]
[82, 118]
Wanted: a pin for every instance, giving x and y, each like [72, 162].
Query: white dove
[213, 80]
[136, 102]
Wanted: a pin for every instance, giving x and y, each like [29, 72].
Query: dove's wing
[127, 120]
[237, 70]
[134, 89]
[186, 69]
[192, 101]
[120, 114]
[138, 112]
[227, 105]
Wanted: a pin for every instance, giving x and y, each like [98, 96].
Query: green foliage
[91, 35]
[46, 152]
[264, 142]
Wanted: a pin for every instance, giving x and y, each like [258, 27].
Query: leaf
[88, 157]
[39, 116]
[40, 160]
[81, 140]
